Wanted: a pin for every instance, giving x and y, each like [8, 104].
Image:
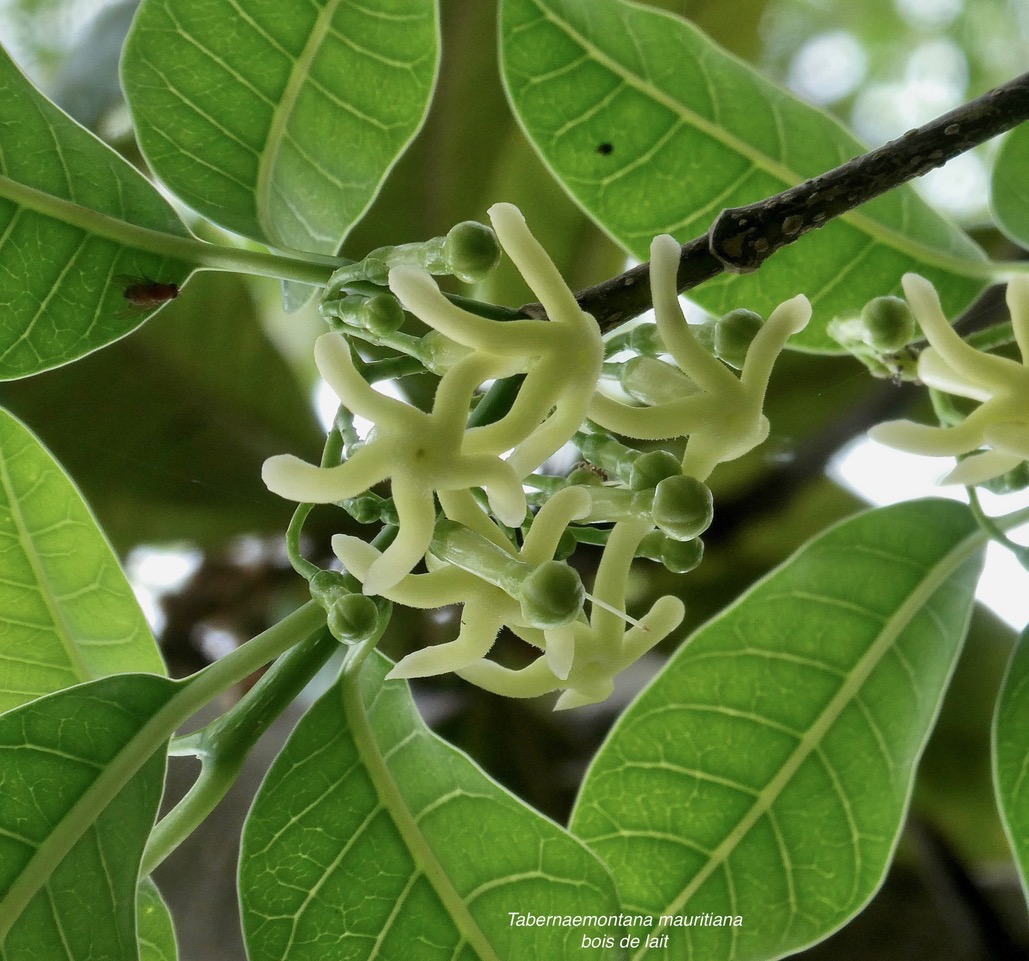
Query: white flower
[420, 453]
[603, 647]
[424, 455]
[723, 416]
[1001, 422]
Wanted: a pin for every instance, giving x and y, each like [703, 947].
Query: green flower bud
[734, 334]
[551, 596]
[683, 507]
[353, 618]
[888, 323]
[585, 477]
[471, 251]
[381, 314]
[565, 546]
[681, 557]
[328, 588]
[644, 339]
[649, 469]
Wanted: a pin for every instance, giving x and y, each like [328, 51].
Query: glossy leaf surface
[371, 836]
[279, 121]
[71, 213]
[79, 800]
[1009, 188]
[67, 613]
[185, 464]
[765, 773]
[156, 931]
[1011, 756]
[654, 129]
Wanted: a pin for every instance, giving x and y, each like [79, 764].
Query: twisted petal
[932, 441]
[978, 369]
[535, 265]
[480, 624]
[1012, 437]
[416, 511]
[568, 504]
[296, 480]
[448, 585]
[790, 317]
[653, 423]
[935, 372]
[532, 681]
[705, 370]
[1018, 304]
[335, 364]
[982, 467]
[418, 292]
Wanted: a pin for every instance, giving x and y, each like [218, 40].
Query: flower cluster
[487, 551]
[995, 436]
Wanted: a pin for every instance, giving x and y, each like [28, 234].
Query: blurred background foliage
[165, 432]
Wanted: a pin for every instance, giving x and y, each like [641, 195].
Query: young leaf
[156, 931]
[80, 797]
[1009, 187]
[1011, 756]
[67, 614]
[280, 121]
[765, 773]
[403, 841]
[654, 129]
[74, 218]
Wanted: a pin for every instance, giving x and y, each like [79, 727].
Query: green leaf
[74, 219]
[403, 841]
[156, 931]
[1009, 186]
[77, 806]
[67, 614]
[765, 773]
[654, 129]
[280, 121]
[1011, 756]
[186, 463]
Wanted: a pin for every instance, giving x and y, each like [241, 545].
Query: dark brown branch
[743, 238]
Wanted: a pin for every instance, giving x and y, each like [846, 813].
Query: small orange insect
[143, 293]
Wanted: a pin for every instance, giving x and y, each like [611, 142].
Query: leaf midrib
[882, 233]
[928, 586]
[403, 819]
[282, 114]
[45, 588]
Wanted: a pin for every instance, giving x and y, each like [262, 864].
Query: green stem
[332, 454]
[306, 268]
[995, 527]
[225, 743]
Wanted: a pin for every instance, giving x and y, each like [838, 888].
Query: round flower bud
[585, 477]
[734, 333]
[328, 587]
[681, 557]
[888, 322]
[649, 469]
[381, 314]
[353, 618]
[551, 596]
[683, 507]
[471, 251]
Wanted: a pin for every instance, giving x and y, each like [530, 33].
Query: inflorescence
[469, 497]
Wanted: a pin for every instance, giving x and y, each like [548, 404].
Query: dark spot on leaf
[604, 149]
